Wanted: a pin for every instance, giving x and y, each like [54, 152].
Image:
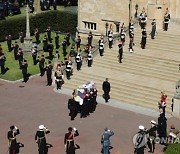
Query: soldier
[50, 49]
[72, 106]
[143, 19]
[40, 139]
[48, 30]
[49, 73]
[143, 40]
[67, 37]
[106, 88]
[36, 33]
[90, 37]
[78, 61]
[101, 47]
[153, 31]
[68, 69]
[16, 47]
[64, 46]
[21, 37]
[13, 144]
[140, 140]
[78, 42]
[120, 45]
[105, 140]
[69, 140]
[110, 40]
[166, 19]
[90, 59]
[152, 136]
[20, 57]
[123, 36]
[162, 127]
[24, 70]
[34, 54]
[9, 42]
[57, 41]
[2, 63]
[58, 77]
[45, 43]
[131, 43]
[41, 61]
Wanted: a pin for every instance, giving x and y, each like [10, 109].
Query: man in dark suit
[106, 88]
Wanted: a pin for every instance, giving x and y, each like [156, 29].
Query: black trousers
[78, 66]
[49, 79]
[41, 71]
[110, 44]
[2, 69]
[151, 145]
[89, 63]
[165, 26]
[25, 77]
[106, 96]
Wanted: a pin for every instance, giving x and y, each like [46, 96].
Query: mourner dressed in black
[41, 61]
[34, 55]
[78, 42]
[36, 33]
[106, 88]
[2, 63]
[49, 73]
[16, 48]
[20, 57]
[73, 108]
[24, 67]
[69, 140]
[14, 146]
[57, 41]
[40, 139]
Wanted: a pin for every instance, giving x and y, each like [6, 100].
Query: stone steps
[120, 93]
[142, 75]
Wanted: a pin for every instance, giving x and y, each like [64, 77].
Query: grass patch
[173, 149]
[14, 73]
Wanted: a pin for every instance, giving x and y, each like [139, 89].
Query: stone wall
[94, 11]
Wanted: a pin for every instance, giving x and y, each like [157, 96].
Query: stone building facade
[98, 15]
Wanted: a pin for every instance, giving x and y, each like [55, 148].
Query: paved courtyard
[27, 105]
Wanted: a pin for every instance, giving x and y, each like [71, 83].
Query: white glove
[16, 128]
[109, 130]
[75, 129]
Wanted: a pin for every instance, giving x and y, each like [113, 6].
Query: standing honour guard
[78, 61]
[143, 19]
[153, 31]
[24, 67]
[58, 78]
[69, 140]
[101, 45]
[90, 37]
[69, 70]
[110, 39]
[166, 19]
[120, 45]
[143, 39]
[90, 59]
[49, 73]
[13, 144]
[41, 61]
[34, 54]
[40, 139]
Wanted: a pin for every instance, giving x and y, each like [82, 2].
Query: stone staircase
[143, 74]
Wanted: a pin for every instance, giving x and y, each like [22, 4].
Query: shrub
[58, 20]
